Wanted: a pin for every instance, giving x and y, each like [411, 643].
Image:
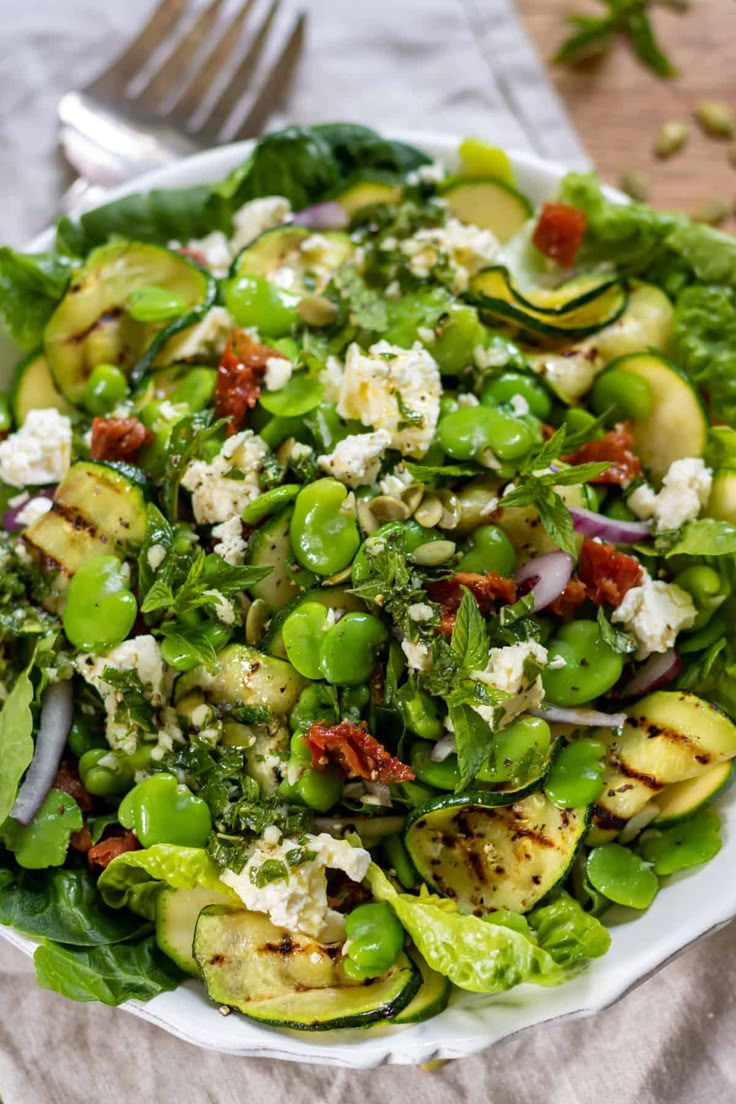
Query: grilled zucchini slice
[486, 855]
[432, 998]
[34, 389]
[176, 918]
[280, 254]
[487, 202]
[92, 325]
[99, 508]
[288, 979]
[682, 800]
[669, 736]
[270, 545]
[368, 191]
[245, 678]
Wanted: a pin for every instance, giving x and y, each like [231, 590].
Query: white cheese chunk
[297, 901]
[33, 509]
[205, 340]
[231, 544]
[393, 389]
[685, 491]
[214, 249]
[356, 460]
[278, 373]
[467, 249]
[40, 452]
[654, 613]
[514, 670]
[255, 217]
[418, 655]
[216, 496]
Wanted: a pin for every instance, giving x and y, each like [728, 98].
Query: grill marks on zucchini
[486, 858]
[98, 508]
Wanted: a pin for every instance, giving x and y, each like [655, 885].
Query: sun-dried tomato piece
[486, 589]
[566, 605]
[617, 447]
[239, 377]
[559, 232]
[607, 573]
[117, 438]
[353, 749]
[81, 840]
[108, 849]
[68, 781]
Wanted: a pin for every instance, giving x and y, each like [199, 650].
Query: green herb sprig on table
[595, 34]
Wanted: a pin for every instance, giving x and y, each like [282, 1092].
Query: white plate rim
[483, 1021]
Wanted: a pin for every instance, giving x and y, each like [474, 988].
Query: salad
[366, 581]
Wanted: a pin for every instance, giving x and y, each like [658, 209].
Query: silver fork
[129, 119]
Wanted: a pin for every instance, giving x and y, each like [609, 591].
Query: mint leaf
[469, 641]
[473, 739]
[159, 596]
[705, 537]
[620, 641]
[366, 307]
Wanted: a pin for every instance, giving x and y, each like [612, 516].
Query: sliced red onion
[323, 216]
[10, 517]
[56, 720]
[549, 575]
[557, 715]
[654, 672]
[617, 532]
[444, 747]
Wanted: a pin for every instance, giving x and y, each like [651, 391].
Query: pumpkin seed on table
[716, 118]
[712, 211]
[636, 184]
[671, 138]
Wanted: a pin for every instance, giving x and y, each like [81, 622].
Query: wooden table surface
[618, 106]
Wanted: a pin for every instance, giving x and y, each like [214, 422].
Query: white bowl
[690, 905]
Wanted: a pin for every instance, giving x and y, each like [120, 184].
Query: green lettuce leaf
[112, 973]
[135, 878]
[31, 285]
[705, 537]
[712, 675]
[16, 740]
[62, 905]
[704, 343]
[568, 933]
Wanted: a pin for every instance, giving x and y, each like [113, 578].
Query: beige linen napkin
[464, 66]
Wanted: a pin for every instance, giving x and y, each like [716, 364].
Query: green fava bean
[100, 609]
[315, 703]
[683, 845]
[320, 789]
[489, 550]
[300, 395]
[45, 841]
[162, 810]
[269, 502]
[411, 312]
[619, 394]
[576, 775]
[621, 876]
[374, 940]
[468, 433]
[698, 641]
[349, 649]
[106, 386]
[302, 633]
[324, 533]
[517, 750]
[578, 420]
[195, 389]
[591, 666]
[299, 750]
[399, 860]
[503, 388]
[154, 304]
[441, 776]
[81, 738]
[419, 712]
[457, 335]
[253, 301]
[105, 772]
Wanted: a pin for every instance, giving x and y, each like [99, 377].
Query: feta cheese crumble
[297, 900]
[654, 613]
[278, 373]
[420, 611]
[39, 452]
[685, 491]
[467, 248]
[418, 655]
[255, 217]
[394, 389]
[33, 509]
[231, 544]
[216, 496]
[356, 460]
[206, 339]
[514, 670]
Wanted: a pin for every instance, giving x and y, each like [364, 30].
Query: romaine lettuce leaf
[489, 957]
[112, 973]
[704, 343]
[16, 740]
[135, 878]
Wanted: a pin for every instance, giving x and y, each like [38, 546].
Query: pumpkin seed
[429, 511]
[366, 517]
[635, 184]
[388, 508]
[712, 211]
[450, 509]
[478, 500]
[256, 621]
[716, 118]
[433, 553]
[315, 310]
[338, 577]
[671, 138]
[412, 496]
[283, 452]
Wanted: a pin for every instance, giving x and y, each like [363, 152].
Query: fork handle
[80, 196]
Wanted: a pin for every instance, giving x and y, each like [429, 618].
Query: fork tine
[169, 74]
[134, 57]
[236, 86]
[277, 80]
[193, 93]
